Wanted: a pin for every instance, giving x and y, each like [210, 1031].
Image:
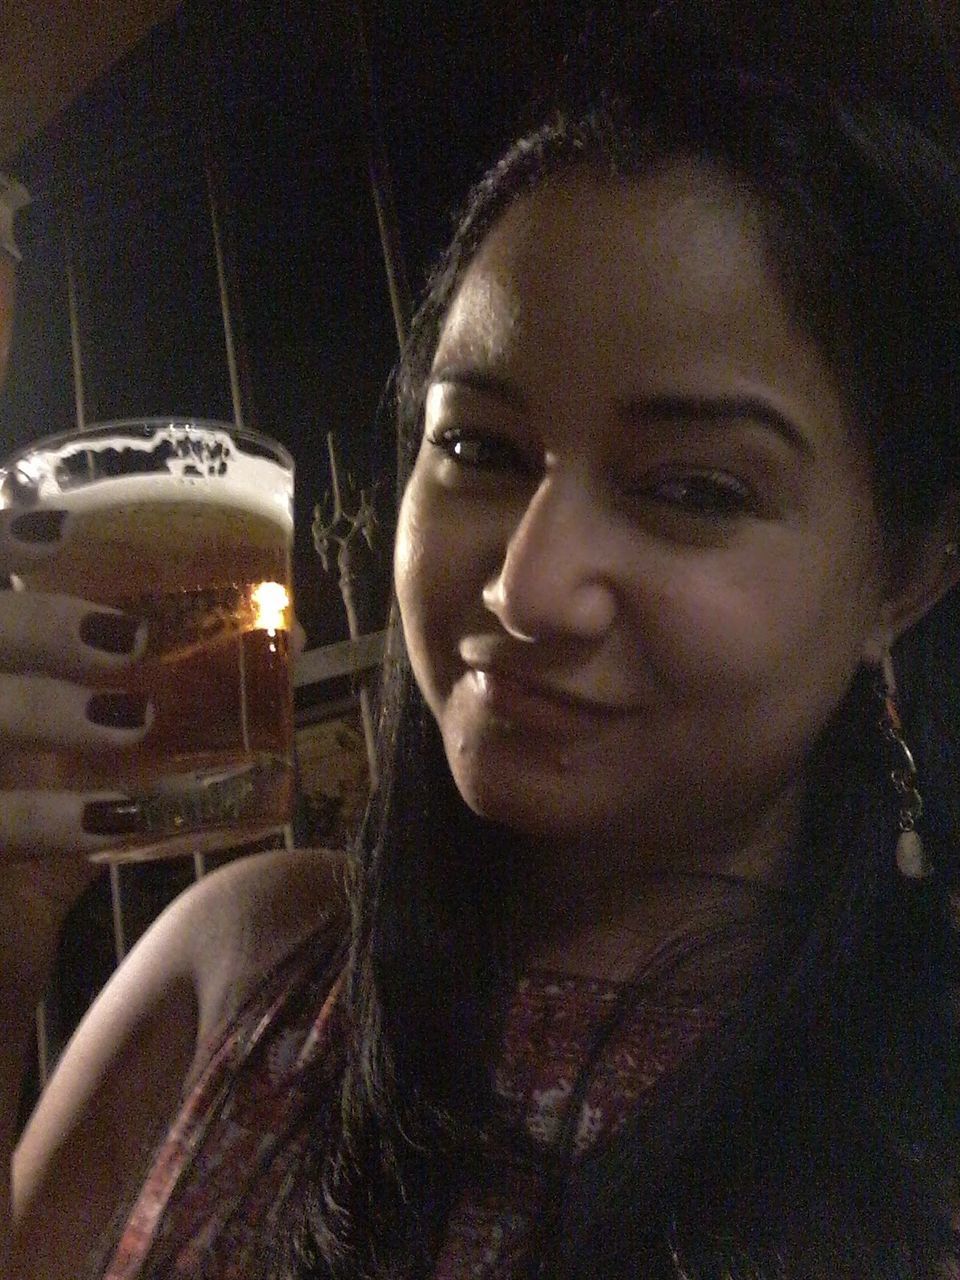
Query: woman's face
[638, 560]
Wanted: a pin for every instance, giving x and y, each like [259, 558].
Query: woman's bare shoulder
[240, 922]
[121, 1077]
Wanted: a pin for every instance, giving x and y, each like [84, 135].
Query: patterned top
[205, 1216]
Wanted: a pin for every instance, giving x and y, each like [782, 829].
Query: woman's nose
[555, 578]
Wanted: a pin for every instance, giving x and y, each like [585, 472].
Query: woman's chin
[542, 808]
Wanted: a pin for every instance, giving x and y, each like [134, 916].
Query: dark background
[271, 95]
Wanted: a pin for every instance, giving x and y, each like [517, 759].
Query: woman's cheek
[732, 630]
[408, 567]
[429, 573]
[407, 552]
[416, 534]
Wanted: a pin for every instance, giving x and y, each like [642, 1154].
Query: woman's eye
[477, 449]
[708, 493]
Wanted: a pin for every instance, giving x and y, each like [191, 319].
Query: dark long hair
[817, 1133]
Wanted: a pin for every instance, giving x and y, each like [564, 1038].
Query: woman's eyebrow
[670, 408]
[644, 409]
[477, 379]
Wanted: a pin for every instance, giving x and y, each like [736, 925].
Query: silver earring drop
[912, 861]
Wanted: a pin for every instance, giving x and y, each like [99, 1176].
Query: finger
[27, 537]
[59, 714]
[42, 823]
[66, 636]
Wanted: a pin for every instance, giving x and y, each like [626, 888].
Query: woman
[640, 977]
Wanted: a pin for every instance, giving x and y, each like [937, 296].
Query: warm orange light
[270, 601]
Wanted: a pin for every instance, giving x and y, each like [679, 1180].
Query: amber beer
[200, 553]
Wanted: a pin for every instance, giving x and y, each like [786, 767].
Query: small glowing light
[270, 601]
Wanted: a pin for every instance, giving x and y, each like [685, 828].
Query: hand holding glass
[181, 531]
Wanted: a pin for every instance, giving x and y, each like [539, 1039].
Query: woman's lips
[514, 697]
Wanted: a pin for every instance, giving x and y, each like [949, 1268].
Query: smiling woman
[628, 978]
[599, 519]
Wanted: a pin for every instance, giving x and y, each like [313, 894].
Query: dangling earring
[912, 861]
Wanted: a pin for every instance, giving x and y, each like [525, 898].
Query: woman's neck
[614, 937]
[604, 910]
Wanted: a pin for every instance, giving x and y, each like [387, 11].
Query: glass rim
[98, 430]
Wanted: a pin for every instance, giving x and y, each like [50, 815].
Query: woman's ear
[925, 566]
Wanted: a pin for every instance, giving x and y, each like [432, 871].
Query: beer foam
[270, 501]
[211, 472]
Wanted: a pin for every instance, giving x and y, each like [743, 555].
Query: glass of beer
[186, 525]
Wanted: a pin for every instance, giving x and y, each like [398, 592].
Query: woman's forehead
[673, 261]
[481, 319]
[591, 289]
[680, 239]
